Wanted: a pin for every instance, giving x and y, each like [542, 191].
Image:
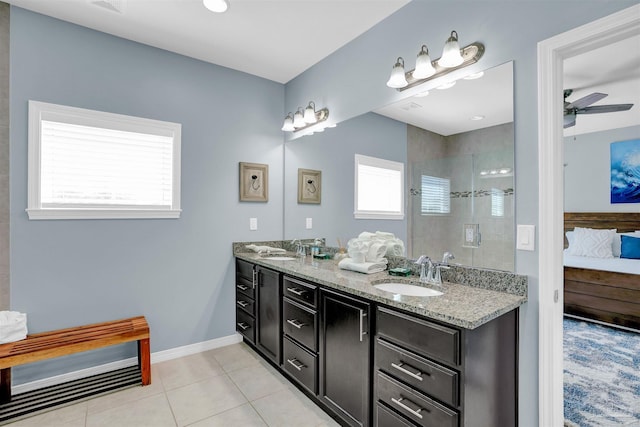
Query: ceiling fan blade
[596, 109]
[586, 100]
[569, 120]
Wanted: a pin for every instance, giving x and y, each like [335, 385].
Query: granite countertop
[460, 305]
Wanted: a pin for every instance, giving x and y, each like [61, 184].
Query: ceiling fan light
[298, 119]
[217, 6]
[451, 56]
[424, 67]
[397, 78]
[310, 113]
[288, 124]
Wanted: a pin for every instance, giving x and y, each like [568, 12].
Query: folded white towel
[363, 267]
[365, 235]
[384, 235]
[376, 252]
[13, 326]
[267, 249]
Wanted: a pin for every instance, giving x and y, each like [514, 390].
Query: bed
[606, 290]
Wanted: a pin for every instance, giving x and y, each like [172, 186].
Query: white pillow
[569, 235]
[589, 242]
[617, 242]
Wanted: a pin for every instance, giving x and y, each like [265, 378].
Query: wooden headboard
[622, 221]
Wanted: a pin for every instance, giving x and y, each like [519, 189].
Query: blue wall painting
[625, 171]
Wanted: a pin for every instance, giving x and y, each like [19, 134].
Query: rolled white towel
[395, 248]
[366, 235]
[376, 252]
[363, 267]
[384, 235]
[358, 249]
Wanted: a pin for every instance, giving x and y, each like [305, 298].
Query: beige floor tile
[287, 408]
[71, 416]
[236, 356]
[152, 411]
[244, 416]
[200, 400]
[121, 397]
[257, 381]
[188, 370]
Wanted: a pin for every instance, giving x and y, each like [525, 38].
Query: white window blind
[497, 202]
[90, 164]
[436, 197]
[379, 188]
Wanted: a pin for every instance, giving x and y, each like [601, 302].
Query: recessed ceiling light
[446, 85]
[477, 117]
[217, 6]
[474, 76]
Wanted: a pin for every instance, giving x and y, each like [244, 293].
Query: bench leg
[144, 360]
[5, 385]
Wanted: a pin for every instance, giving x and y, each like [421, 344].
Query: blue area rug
[601, 375]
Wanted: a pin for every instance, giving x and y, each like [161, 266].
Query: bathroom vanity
[373, 358]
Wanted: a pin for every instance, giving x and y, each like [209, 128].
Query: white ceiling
[266, 38]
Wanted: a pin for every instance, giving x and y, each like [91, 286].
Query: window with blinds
[379, 188]
[497, 202]
[436, 199]
[91, 164]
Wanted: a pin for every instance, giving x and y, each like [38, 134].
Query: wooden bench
[62, 342]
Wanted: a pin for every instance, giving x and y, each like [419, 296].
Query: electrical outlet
[253, 224]
[309, 223]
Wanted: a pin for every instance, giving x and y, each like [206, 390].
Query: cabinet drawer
[413, 405]
[244, 269]
[421, 335]
[300, 364]
[245, 303]
[303, 292]
[385, 417]
[428, 377]
[300, 323]
[245, 287]
[245, 324]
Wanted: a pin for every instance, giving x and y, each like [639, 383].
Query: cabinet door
[345, 357]
[268, 333]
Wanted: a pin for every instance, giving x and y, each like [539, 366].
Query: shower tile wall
[4, 156]
[461, 157]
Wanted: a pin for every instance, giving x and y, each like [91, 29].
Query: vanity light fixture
[217, 6]
[307, 120]
[474, 76]
[453, 58]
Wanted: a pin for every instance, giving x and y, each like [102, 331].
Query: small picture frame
[254, 182]
[309, 186]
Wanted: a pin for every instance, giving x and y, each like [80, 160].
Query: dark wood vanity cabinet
[258, 309]
[345, 368]
[431, 374]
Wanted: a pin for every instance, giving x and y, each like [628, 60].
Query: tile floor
[229, 386]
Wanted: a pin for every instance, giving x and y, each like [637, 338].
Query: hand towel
[376, 252]
[363, 267]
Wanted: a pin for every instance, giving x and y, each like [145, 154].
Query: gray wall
[178, 273]
[4, 157]
[332, 152]
[587, 171]
[510, 30]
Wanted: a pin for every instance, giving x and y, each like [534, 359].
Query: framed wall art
[254, 182]
[309, 186]
[625, 171]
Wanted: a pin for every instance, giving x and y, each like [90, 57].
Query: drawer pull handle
[401, 368]
[296, 323]
[242, 303]
[362, 332]
[297, 291]
[299, 365]
[243, 326]
[415, 412]
[242, 287]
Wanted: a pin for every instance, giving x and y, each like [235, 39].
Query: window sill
[378, 216]
[38, 214]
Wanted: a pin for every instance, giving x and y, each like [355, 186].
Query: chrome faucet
[446, 257]
[426, 269]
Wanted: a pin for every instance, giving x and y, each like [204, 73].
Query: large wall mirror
[457, 145]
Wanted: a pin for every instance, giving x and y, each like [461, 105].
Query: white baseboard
[157, 357]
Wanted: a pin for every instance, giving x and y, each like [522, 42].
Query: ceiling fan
[582, 106]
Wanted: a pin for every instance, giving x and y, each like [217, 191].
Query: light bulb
[397, 78]
[217, 6]
[310, 113]
[298, 119]
[288, 124]
[424, 67]
[451, 56]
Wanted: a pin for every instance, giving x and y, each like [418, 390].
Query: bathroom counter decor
[471, 297]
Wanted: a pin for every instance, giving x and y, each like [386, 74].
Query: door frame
[551, 54]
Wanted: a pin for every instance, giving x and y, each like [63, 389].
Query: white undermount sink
[279, 258]
[407, 289]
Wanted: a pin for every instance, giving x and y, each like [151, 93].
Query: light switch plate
[253, 224]
[526, 238]
[309, 223]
